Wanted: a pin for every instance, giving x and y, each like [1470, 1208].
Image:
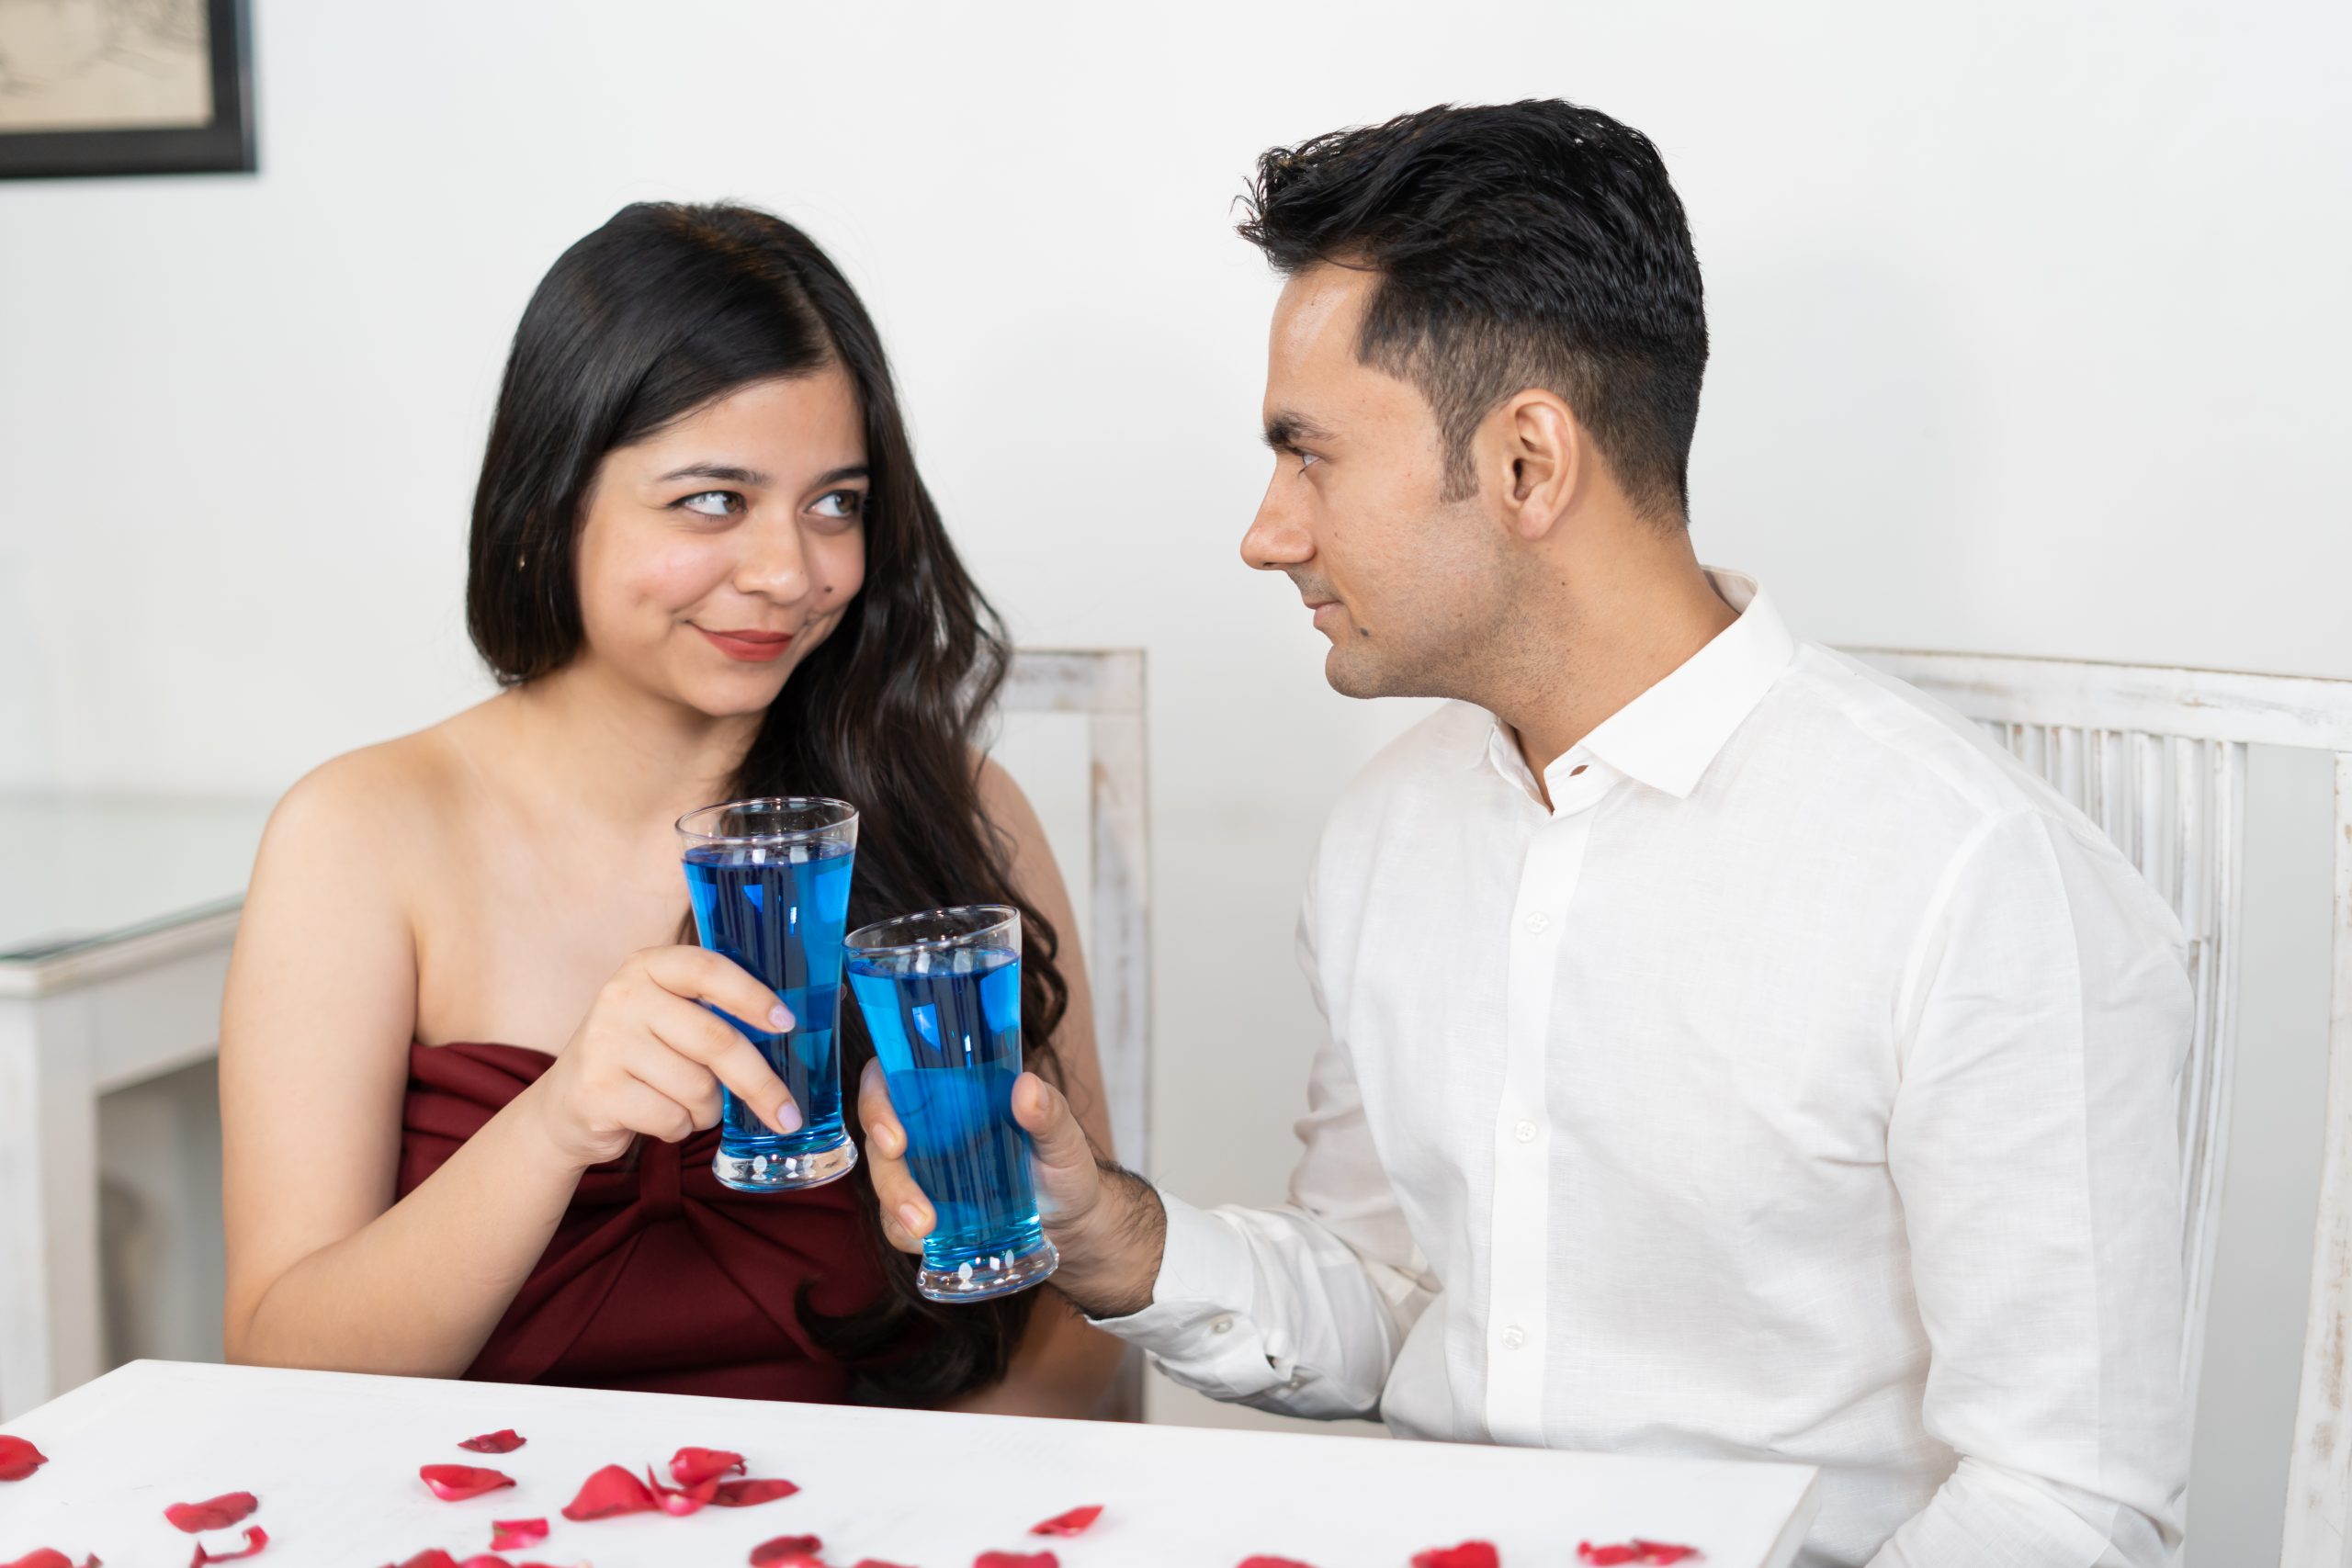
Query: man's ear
[1541, 456]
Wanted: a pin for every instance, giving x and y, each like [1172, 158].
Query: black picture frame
[224, 146]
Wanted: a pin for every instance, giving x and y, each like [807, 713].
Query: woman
[468, 1085]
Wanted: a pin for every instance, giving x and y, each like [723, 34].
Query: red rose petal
[433, 1558]
[678, 1502]
[751, 1493]
[506, 1441]
[255, 1539]
[787, 1551]
[510, 1535]
[44, 1557]
[1016, 1560]
[1271, 1562]
[1072, 1523]
[485, 1560]
[692, 1467]
[219, 1513]
[1607, 1556]
[1469, 1554]
[455, 1482]
[609, 1493]
[19, 1459]
[1659, 1552]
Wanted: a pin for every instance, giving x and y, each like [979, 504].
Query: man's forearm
[1112, 1254]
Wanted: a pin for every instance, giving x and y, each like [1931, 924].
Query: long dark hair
[662, 309]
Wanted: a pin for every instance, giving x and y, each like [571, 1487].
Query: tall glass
[940, 994]
[770, 883]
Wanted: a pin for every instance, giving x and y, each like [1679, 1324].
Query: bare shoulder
[379, 814]
[1029, 855]
[1004, 805]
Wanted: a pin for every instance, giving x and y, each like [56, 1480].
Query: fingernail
[788, 1118]
[779, 1017]
[911, 1219]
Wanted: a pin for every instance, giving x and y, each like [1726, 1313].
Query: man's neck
[1622, 634]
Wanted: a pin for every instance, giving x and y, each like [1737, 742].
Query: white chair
[2157, 758]
[1107, 686]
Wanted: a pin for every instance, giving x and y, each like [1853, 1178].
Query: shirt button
[1539, 921]
[1524, 1132]
[1513, 1338]
[1222, 1325]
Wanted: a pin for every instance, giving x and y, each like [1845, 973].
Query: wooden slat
[1107, 686]
[2148, 762]
[2319, 1468]
[1121, 940]
[2069, 769]
[2213, 1059]
[2202, 705]
[1092, 681]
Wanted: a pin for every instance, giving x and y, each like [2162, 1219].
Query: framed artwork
[125, 87]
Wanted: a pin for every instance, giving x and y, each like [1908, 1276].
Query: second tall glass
[770, 882]
[940, 994]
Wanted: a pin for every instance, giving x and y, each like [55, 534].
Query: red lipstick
[749, 647]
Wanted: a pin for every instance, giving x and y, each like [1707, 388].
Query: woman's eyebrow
[758, 480]
[716, 471]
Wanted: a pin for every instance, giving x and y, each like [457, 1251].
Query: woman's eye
[712, 503]
[847, 504]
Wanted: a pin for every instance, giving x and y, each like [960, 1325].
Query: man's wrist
[1110, 1263]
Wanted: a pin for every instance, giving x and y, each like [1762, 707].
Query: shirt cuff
[1200, 1326]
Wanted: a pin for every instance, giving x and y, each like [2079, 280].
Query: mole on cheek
[1363, 631]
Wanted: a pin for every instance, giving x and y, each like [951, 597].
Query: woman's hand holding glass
[650, 1057]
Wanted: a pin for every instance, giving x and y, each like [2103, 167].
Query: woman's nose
[774, 564]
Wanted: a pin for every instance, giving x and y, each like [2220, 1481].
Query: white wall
[2029, 335]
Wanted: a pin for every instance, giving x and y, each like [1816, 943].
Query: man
[1730, 1055]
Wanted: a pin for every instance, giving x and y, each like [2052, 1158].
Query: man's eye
[1305, 460]
[712, 503]
[847, 504]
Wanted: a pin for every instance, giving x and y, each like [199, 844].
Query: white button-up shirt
[1799, 1084]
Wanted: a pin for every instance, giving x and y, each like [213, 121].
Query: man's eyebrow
[1285, 431]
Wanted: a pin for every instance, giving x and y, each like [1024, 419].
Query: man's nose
[1277, 536]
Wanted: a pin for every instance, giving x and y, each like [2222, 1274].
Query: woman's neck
[622, 755]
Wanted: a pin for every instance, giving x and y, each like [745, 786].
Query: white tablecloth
[333, 1459]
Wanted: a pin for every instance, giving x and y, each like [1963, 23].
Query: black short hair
[1529, 245]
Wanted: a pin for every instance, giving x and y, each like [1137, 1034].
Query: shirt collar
[1667, 737]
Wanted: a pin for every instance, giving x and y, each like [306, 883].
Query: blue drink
[943, 1004]
[770, 883]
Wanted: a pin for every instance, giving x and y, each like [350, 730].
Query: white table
[333, 1459]
[116, 917]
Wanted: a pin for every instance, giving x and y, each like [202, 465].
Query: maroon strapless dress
[657, 1277]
